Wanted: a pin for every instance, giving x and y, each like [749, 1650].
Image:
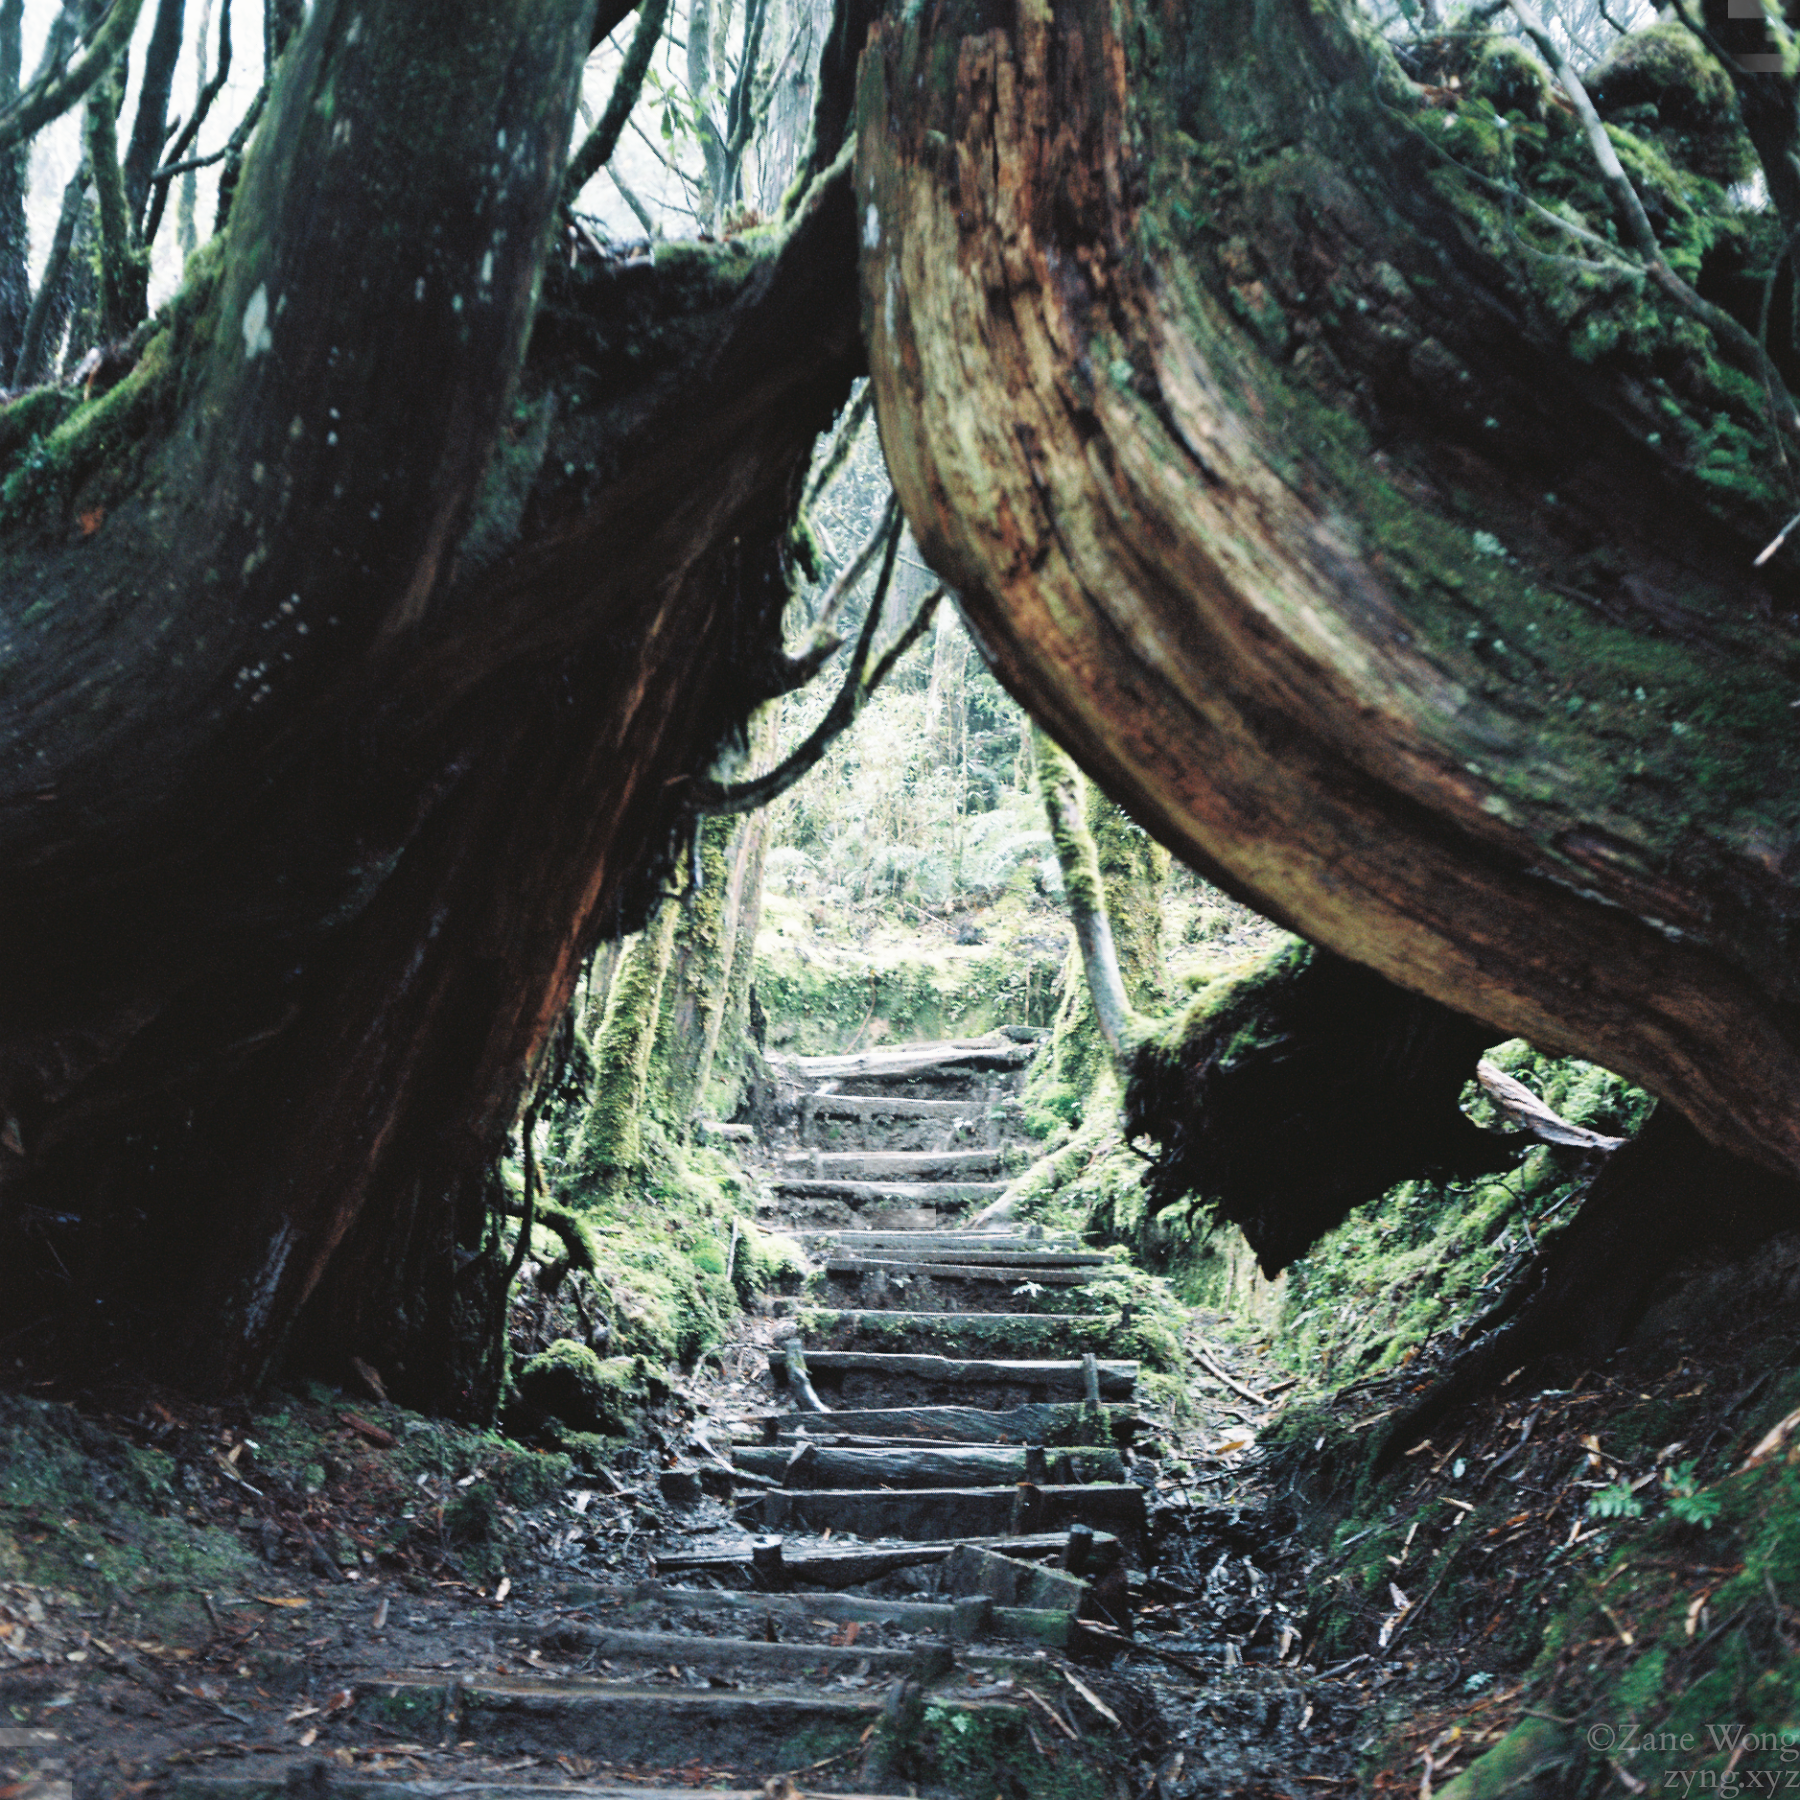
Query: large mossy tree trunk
[366, 638]
[1397, 576]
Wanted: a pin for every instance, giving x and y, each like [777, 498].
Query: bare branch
[51, 96]
[173, 164]
[603, 140]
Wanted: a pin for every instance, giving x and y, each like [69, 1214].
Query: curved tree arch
[1284, 472]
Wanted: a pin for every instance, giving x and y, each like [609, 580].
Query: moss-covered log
[1385, 547]
[1302, 1088]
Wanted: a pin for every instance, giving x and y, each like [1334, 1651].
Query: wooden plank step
[1049, 1423]
[775, 1661]
[935, 1618]
[814, 1465]
[953, 1333]
[1117, 1379]
[858, 1194]
[880, 1106]
[929, 1513]
[991, 1269]
[850, 1565]
[901, 1165]
[1008, 1581]
[954, 1246]
[990, 1055]
[291, 1776]
[659, 1726]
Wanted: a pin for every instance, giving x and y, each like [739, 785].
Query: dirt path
[925, 1535]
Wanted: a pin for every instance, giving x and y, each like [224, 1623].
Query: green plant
[1615, 1502]
[1688, 1503]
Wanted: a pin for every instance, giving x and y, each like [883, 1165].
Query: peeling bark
[1281, 495]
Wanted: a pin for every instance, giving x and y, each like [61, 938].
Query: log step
[992, 1268]
[880, 1106]
[1046, 1423]
[775, 1661]
[969, 1333]
[292, 1776]
[860, 1194]
[1118, 1380]
[952, 1246]
[833, 1466]
[900, 1165]
[939, 1619]
[929, 1513]
[956, 1056]
[660, 1727]
[849, 1565]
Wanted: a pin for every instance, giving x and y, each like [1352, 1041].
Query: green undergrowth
[821, 995]
[148, 1519]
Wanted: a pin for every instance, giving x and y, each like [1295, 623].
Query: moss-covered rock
[1664, 82]
[570, 1383]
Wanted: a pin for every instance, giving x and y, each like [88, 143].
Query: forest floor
[242, 1610]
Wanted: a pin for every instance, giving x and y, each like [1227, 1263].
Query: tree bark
[368, 663]
[1292, 498]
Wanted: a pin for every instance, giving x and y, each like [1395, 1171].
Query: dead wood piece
[831, 1566]
[935, 1512]
[1523, 1107]
[1009, 1582]
[993, 1270]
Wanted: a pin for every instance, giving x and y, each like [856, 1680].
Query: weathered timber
[933, 1513]
[969, 1056]
[973, 1332]
[953, 1246]
[901, 1165]
[1047, 1423]
[755, 1655]
[880, 1106]
[858, 1194]
[1009, 1582]
[938, 1618]
[836, 1566]
[627, 1725]
[993, 1268]
[1117, 1380]
[183, 1785]
[816, 1465]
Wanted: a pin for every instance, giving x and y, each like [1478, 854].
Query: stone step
[957, 1333]
[941, 1619]
[850, 1565]
[932, 1513]
[814, 1465]
[1118, 1380]
[909, 1166]
[884, 1106]
[861, 1196]
[1061, 1423]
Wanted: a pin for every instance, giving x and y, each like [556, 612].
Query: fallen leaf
[338, 1701]
[92, 520]
[503, 1589]
[1093, 1699]
[278, 1600]
[309, 1736]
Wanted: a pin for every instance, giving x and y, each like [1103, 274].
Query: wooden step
[1009, 1582]
[850, 1565]
[956, 1056]
[862, 1195]
[1117, 1379]
[930, 1513]
[957, 1333]
[950, 1246]
[942, 1619]
[294, 1777]
[814, 1465]
[909, 1166]
[882, 1106]
[660, 1726]
[777, 1661]
[1049, 1423]
[990, 1269]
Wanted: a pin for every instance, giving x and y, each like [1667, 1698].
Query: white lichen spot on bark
[257, 337]
[872, 228]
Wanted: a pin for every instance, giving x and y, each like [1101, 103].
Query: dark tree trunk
[1399, 586]
[151, 129]
[15, 241]
[437, 633]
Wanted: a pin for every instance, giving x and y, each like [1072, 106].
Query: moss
[1665, 83]
[568, 1382]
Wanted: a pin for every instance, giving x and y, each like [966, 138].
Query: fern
[1688, 1503]
[1615, 1502]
